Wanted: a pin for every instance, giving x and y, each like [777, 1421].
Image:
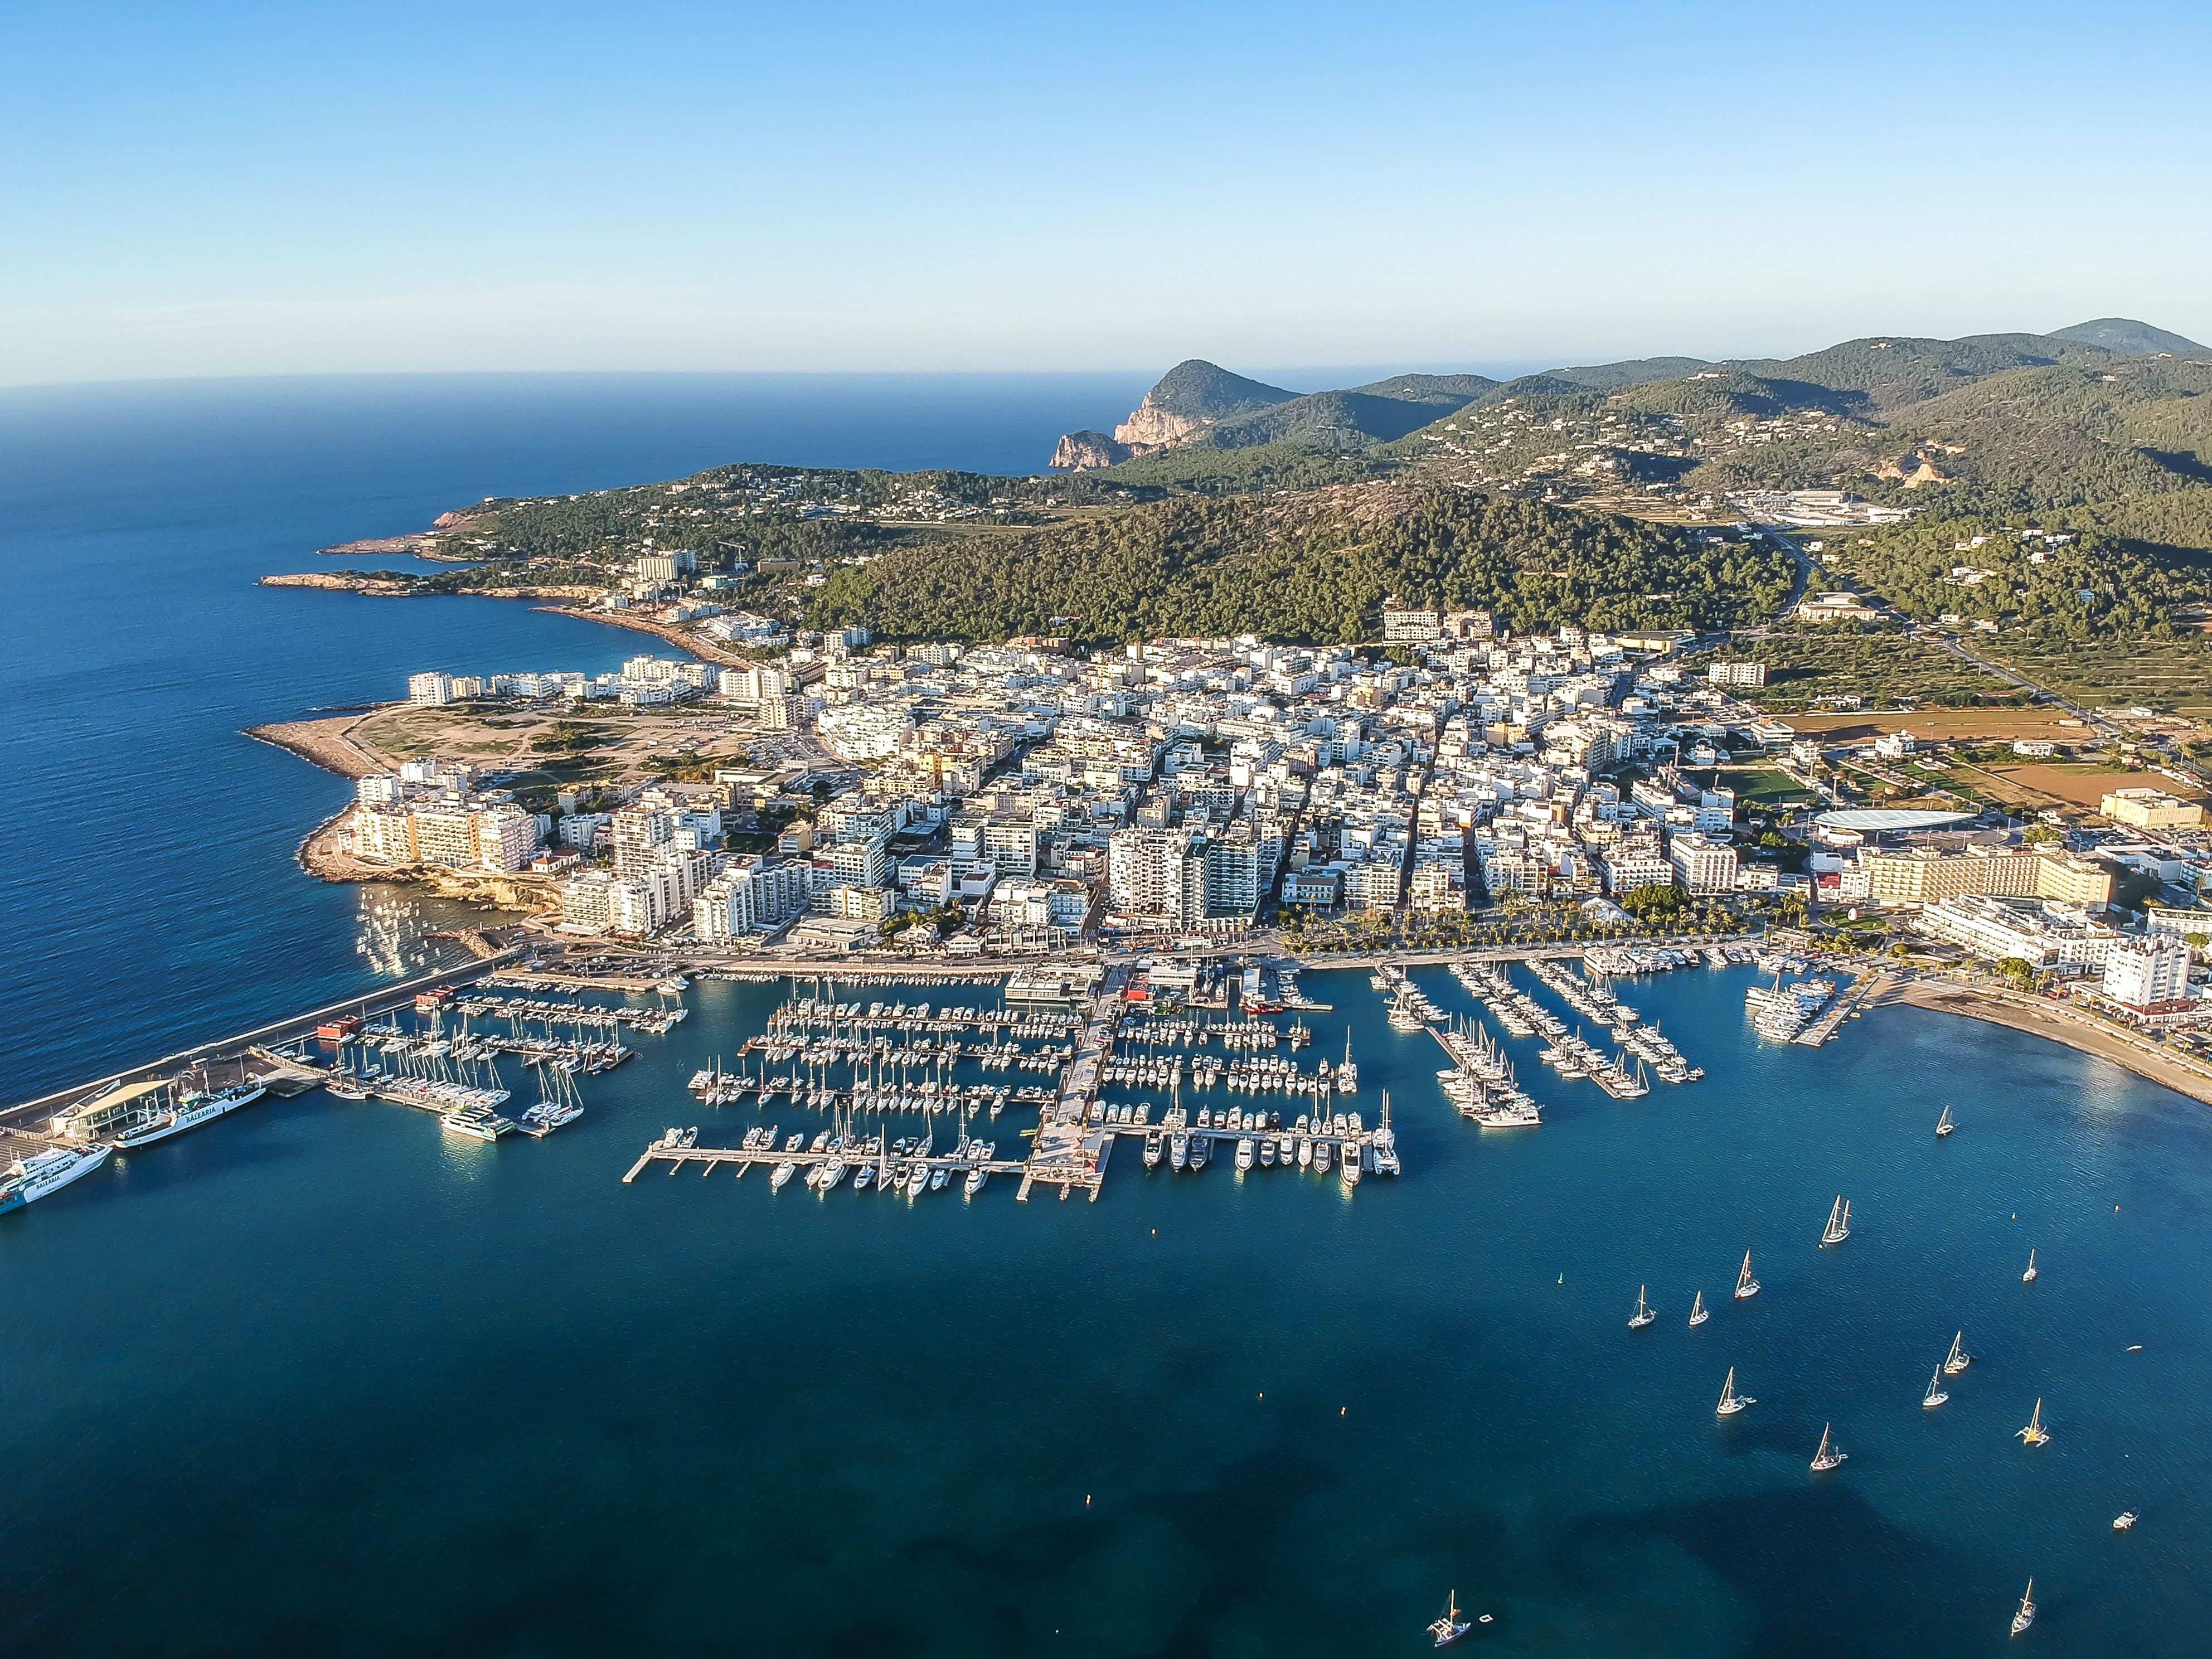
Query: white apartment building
[2041, 933]
[452, 834]
[2142, 973]
[1702, 865]
[430, 689]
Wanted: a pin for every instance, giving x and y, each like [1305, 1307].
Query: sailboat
[1943, 1124]
[1839, 1223]
[1731, 1401]
[1699, 1312]
[2035, 1434]
[1451, 1626]
[1745, 1285]
[1830, 1454]
[1643, 1315]
[2026, 1616]
[1935, 1394]
[2028, 1278]
[1958, 1359]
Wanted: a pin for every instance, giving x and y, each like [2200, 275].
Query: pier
[1867, 991]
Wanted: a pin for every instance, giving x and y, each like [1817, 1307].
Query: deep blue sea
[322, 1380]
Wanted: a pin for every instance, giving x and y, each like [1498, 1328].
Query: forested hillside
[1316, 568]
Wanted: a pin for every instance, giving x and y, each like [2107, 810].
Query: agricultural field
[1945, 726]
[1835, 661]
[2165, 675]
[2086, 785]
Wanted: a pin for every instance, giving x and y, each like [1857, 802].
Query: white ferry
[188, 1113]
[43, 1174]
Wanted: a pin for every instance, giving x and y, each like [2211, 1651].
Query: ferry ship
[44, 1174]
[188, 1113]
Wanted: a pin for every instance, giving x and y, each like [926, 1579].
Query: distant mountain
[1190, 397]
[1606, 377]
[2125, 336]
[1431, 388]
[1890, 372]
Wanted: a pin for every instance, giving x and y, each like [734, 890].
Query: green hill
[2126, 335]
[1311, 566]
[1203, 390]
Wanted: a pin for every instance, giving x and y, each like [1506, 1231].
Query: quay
[255, 1049]
[1868, 991]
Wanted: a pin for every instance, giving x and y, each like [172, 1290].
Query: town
[1452, 784]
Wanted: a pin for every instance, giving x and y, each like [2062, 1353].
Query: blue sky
[226, 189]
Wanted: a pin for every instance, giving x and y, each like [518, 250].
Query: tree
[2017, 972]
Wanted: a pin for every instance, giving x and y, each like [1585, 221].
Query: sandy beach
[2061, 1025]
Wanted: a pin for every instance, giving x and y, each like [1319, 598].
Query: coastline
[670, 631]
[2051, 1021]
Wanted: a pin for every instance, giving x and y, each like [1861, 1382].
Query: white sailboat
[1451, 1626]
[1943, 1124]
[1839, 1223]
[1745, 1285]
[2028, 1278]
[1699, 1312]
[2026, 1616]
[1643, 1316]
[1830, 1454]
[2035, 1434]
[1958, 1359]
[1935, 1394]
[1731, 1401]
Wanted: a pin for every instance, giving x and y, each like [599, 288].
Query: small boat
[973, 1184]
[1247, 1152]
[780, 1174]
[1830, 1454]
[2028, 1278]
[2124, 1520]
[1731, 1401]
[2034, 1434]
[1935, 1394]
[1745, 1285]
[1839, 1223]
[1943, 1124]
[2026, 1616]
[1958, 1359]
[1643, 1316]
[1152, 1145]
[1699, 1312]
[1451, 1626]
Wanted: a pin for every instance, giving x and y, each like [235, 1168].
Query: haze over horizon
[243, 191]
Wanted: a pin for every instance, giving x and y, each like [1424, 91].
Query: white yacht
[2026, 1616]
[2028, 1278]
[1247, 1151]
[781, 1174]
[1745, 1285]
[2124, 1520]
[1731, 1401]
[1943, 1124]
[1643, 1316]
[1839, 1223]
[1935, 1394]
[1699, 1312]
[1958, 1359]
[2034, 1434]
[42, 1173]
[1830, 1454]
[1449, 1628]
[1348, 1168]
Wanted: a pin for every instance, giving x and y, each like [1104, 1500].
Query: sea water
[323, 1378]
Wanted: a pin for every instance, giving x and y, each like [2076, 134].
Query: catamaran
[1643, 1316]
[1935, 1394]
[1830, 1454]
[1451, 1626]
[1958, 1359]
[1839, 1223]
[2026, 1616]
[2028, 1278]
[1731, 1401]
[1699, 1312]
[2035, 1434]
[1943, 1124]
[1745, 1285]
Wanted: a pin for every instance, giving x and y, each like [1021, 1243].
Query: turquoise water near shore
[325, 1379]
[320, 1379]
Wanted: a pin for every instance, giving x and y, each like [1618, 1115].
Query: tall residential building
[641, 835]
[1144, 871]
[2146, 972]
[1702, 865]
[430, 687]
[748, 896]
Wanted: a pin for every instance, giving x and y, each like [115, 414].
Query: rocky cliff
[1080, 451]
